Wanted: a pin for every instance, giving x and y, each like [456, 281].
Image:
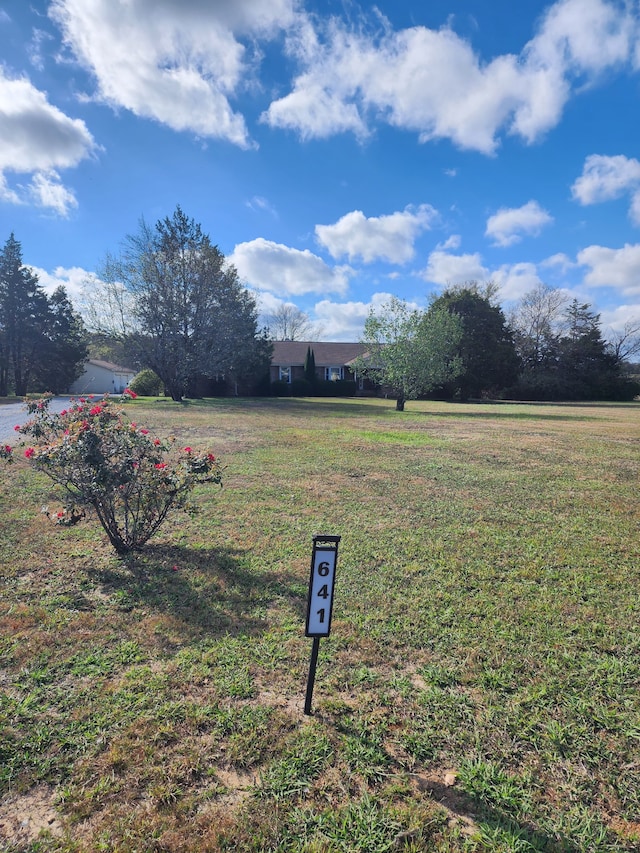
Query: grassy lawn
[480, 688]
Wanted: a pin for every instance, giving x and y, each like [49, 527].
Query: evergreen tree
[23, 320]
[587, 369]
[486, 348]
[310, 366]
[64, 349]
[193, 319]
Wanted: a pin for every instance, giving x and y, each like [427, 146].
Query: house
[102, 377]
[334, 361]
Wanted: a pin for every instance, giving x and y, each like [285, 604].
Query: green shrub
[147, 383]
[301, 388]
[280, 389]
[336, 388]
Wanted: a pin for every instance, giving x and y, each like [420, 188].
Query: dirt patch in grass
[24, 816]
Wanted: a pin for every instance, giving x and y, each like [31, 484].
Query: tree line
[463, 346]
[168, 301]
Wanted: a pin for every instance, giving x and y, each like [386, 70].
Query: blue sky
[337, 153]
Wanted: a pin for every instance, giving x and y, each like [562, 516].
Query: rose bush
[108, 465]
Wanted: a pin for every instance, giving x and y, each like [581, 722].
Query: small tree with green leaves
[410, 351]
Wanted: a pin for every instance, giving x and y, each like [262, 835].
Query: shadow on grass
[209, 591]
[497, 829]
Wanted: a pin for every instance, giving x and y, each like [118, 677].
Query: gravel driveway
[16, 413]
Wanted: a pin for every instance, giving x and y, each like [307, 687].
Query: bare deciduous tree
[289, 323]
[625, 343]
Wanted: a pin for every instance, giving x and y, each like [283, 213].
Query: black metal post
[312, 674]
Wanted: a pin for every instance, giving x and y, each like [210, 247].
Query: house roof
[326, 353]
[109, 365]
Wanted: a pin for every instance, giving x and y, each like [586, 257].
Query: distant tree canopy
[186, 313]
[43, 342]
[289, 323]
[563, 354]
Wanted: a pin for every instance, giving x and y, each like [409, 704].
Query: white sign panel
[320, 604]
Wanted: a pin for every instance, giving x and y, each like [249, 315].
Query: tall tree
[23, 319]
[310, 366]
[486, 348]
[192, 317]
[64, 349]
[587, 369]
[409, 351]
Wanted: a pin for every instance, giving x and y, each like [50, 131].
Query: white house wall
[99, 380]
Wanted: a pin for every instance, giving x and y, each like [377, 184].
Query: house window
[285, 374]
[332, 374]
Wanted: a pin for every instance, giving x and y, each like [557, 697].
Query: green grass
[479, 690]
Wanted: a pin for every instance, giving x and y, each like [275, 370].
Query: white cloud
[35, 51]
[615, 268]
[447, 269]
[177, 63]
[615, 320]
[432, 82]
[585, 36]
[38, 138]
[514, 280]
[8, 194]
[389, 238]
[344, 321]
[452, 242]
[282, 270]
[634, 210]
[259, 203]
[75, 280]
[417, 79]
[48, 192]
[604, 178]
[560, 260]
[509, 224]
